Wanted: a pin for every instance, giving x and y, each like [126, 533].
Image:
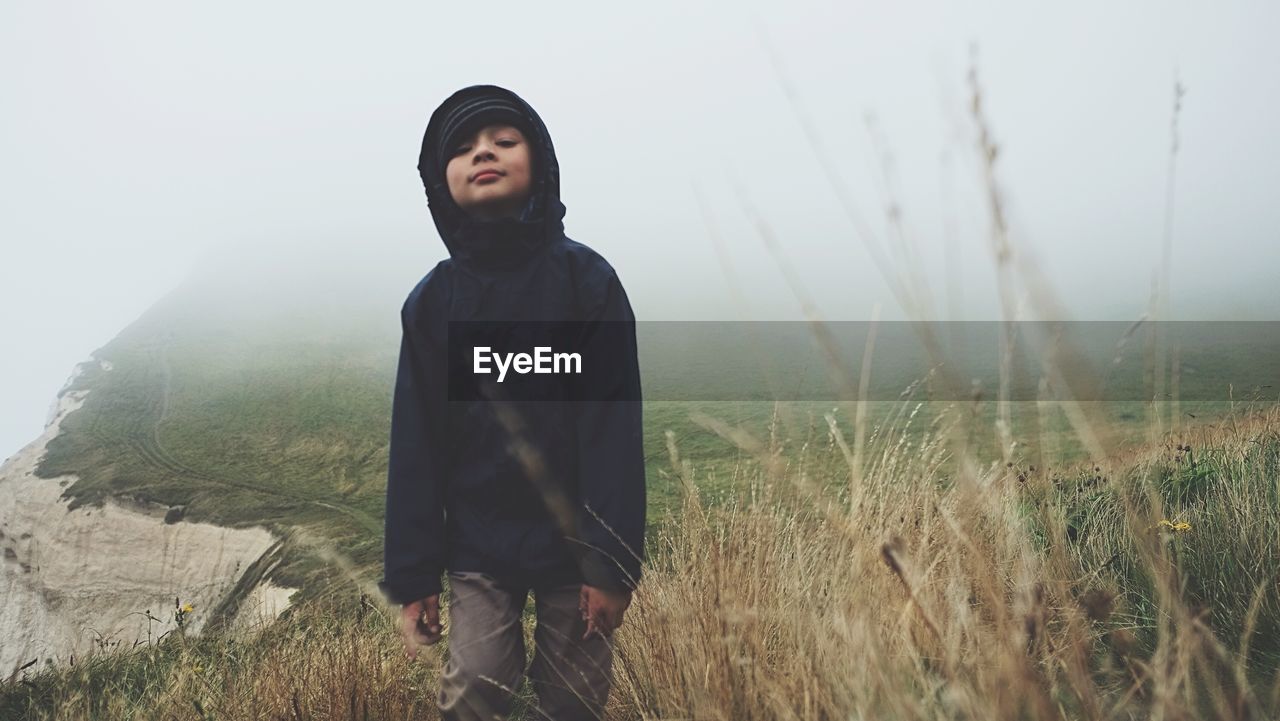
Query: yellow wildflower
[187, 608]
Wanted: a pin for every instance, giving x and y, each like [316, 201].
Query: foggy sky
[139, 138]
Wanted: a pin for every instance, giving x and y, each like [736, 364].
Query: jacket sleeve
[609, 425]
[414, 541]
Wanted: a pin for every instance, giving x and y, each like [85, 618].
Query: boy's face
[489, 173]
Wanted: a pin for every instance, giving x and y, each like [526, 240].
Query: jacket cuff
[602, 572]
[407, 591]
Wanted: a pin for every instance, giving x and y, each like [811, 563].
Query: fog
[141, 140]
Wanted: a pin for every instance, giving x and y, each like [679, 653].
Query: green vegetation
[786, 557]
[284, 423]
[1139, 585]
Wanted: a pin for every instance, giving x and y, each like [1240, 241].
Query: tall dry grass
[898, 593]
[911, 596]
[330, 660]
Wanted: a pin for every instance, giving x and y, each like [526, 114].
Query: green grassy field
[282, 419]
[1144, 585]
[284, 422]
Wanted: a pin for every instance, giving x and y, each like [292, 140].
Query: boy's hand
[602, 609]
[420, 624]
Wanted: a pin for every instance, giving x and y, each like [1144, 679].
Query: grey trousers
[486, 657]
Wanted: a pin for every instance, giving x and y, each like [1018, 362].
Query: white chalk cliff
[72, 582]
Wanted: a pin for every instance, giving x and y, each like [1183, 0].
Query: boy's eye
[505, 142]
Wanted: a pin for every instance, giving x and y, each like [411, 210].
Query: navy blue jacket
[534, 492]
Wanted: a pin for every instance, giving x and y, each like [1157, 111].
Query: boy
[546, 496]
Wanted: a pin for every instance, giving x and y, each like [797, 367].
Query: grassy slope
[250, 405]
[1008, 593]
[260, 408]
[243, 422]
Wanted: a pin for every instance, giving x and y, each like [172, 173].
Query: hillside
[1137, 586]
[256, 396]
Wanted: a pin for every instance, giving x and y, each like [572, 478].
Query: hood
[504, 242]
